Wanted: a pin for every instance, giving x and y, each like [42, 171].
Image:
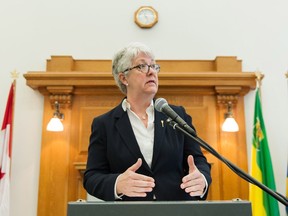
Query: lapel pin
[162, 123]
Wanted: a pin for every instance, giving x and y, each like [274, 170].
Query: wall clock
[146, 17]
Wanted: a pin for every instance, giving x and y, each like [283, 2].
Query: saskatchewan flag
[263, 204]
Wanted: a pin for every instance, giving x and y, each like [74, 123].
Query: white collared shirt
[144, 136]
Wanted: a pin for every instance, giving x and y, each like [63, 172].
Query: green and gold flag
[261, 167]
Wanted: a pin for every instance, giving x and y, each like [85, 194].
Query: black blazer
[113, 148]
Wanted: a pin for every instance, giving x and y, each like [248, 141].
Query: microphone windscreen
[160, 103]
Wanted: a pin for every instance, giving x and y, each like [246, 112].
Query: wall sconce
[229, 125]
[55, 123]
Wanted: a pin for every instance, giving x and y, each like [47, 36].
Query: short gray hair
[123, 60]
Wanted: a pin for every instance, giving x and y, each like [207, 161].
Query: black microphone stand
[233, 167]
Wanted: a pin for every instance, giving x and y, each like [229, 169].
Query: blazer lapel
[160, 128]
[125, 130]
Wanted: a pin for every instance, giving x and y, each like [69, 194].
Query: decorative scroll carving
[63, 100]
[62, 94]
[224, 99]
[227, 94]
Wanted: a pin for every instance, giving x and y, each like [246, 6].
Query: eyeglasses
[145, 68]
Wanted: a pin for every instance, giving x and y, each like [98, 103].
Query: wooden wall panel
[54, 167]
[86, 89]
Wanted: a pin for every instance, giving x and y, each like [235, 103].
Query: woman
[132, 154]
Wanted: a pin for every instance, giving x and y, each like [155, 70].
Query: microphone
[161, 105]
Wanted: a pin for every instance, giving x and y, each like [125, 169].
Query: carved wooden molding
[227, 94]
[225, 99]
[62, 94]
[65, 77]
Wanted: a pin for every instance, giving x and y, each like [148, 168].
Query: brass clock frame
[139, 18]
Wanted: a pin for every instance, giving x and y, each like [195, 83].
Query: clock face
[146, 17]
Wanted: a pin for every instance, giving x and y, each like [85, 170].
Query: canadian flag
[5, 155]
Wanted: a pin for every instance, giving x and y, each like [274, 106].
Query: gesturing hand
[194, 182]
[133, 184]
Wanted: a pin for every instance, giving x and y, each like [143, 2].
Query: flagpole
[14, 75]
[259, 77]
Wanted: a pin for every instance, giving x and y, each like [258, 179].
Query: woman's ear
[123, 79]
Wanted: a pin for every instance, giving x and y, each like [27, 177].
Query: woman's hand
[133, 184]
[194, 182]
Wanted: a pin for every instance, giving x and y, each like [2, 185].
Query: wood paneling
[85, 89]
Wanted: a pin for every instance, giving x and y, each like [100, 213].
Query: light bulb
[55, 124]
[230, 125]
